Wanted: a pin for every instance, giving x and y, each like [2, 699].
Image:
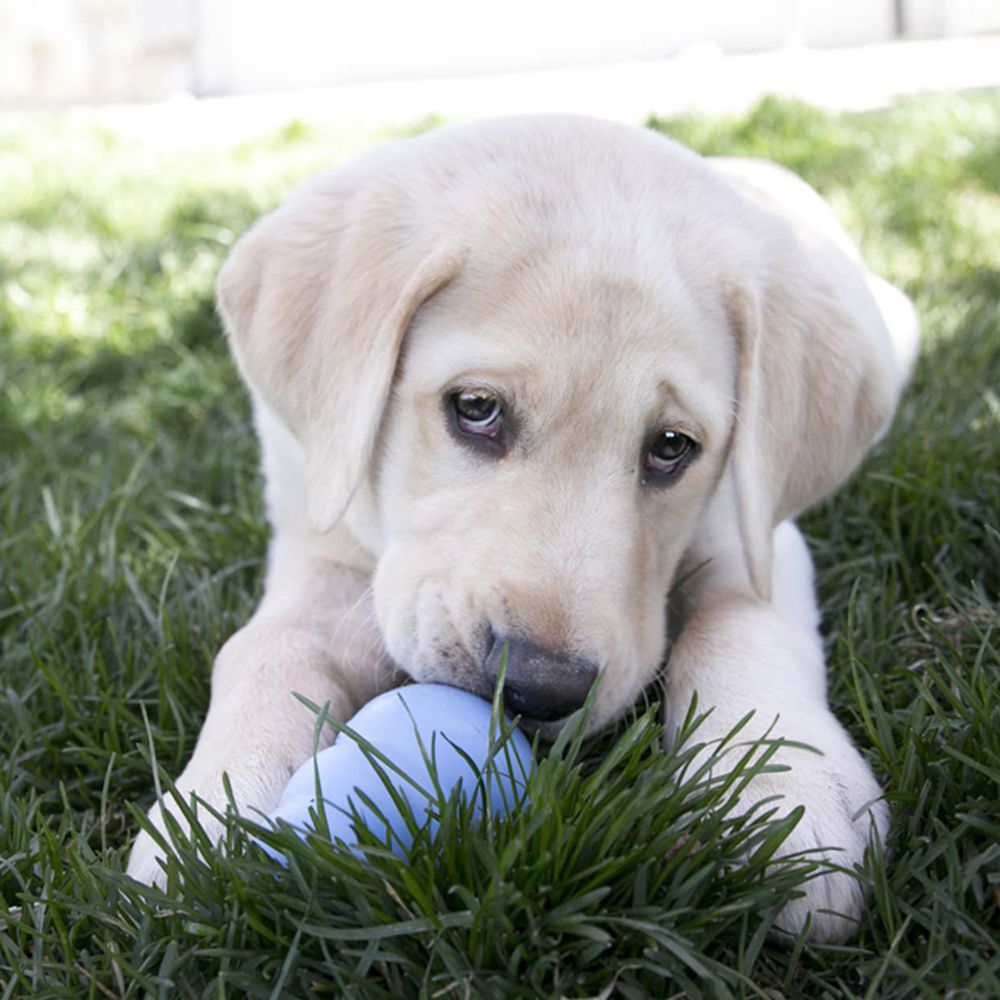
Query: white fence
[68, 51]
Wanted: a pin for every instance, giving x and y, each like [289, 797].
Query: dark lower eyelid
[656, 478]
[495, 446]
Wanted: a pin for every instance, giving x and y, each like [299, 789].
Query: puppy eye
[667, 455]
[478, 413]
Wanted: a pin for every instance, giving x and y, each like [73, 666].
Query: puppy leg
[741, 655]
[318, 641]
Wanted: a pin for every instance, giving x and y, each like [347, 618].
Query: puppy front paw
[147, 858]
[254, 782]
[844, 811]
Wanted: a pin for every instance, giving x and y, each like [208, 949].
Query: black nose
[538, 684]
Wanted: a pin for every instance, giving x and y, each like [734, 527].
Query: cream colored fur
[605, 281]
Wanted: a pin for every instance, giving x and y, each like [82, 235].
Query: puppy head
[552, 438]
[540, 347]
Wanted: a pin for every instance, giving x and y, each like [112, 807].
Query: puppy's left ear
[817, 382]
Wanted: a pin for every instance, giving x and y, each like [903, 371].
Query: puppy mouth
[547, 731]
[542, 690]
[475, 682]
[546, 728]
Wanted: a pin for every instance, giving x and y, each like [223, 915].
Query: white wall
[61, 51]
[943, 18]
[261, 45]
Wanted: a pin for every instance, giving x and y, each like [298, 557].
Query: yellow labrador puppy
[511, 380]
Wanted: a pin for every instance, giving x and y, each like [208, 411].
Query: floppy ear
[816, 383]
[316, 299]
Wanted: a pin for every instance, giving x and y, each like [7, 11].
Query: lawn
[132, 545]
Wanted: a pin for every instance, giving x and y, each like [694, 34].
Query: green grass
[132, 545]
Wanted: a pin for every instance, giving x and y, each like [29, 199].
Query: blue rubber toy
[448, 722]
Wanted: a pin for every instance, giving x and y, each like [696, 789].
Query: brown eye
[667, 455]
[477, 413]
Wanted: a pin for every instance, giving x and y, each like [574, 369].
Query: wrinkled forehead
[562, 337]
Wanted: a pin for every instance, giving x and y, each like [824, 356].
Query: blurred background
[392, 58]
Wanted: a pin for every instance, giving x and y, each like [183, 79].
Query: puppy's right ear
[316, 298]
